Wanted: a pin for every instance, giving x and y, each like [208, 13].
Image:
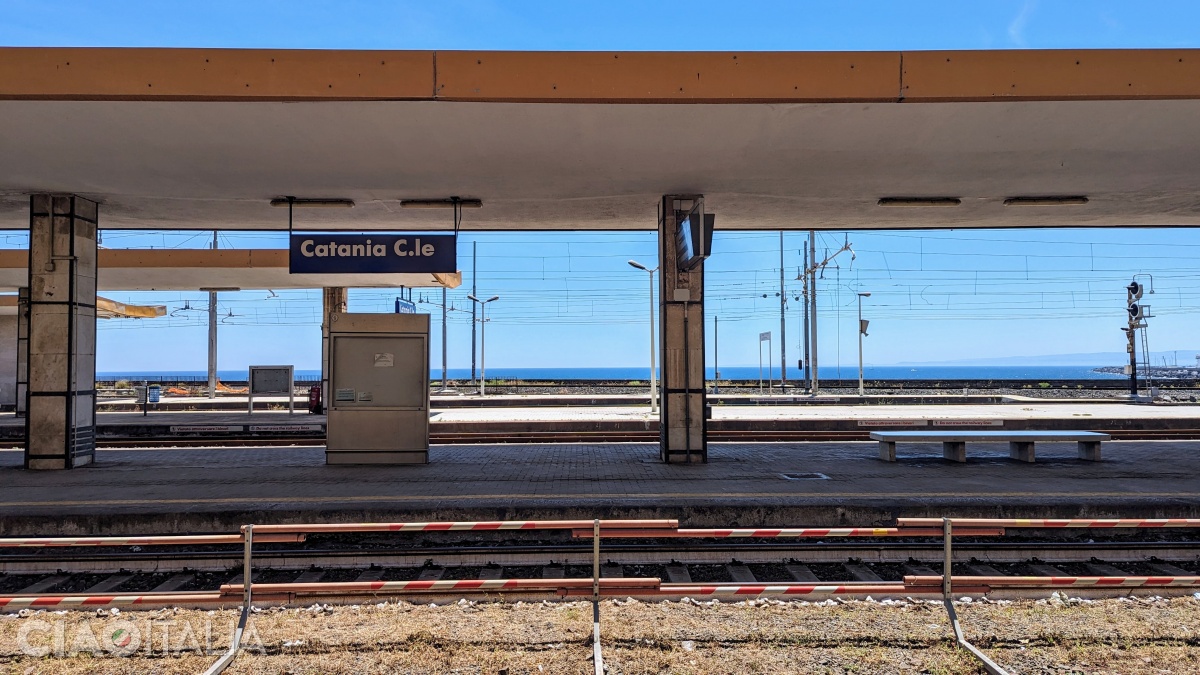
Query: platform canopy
[205, 139]
[204, 269]
[105, 309]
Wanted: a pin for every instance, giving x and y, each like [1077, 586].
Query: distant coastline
[1156, 372]
[641, 373]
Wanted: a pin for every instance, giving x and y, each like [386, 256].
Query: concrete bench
[1020, 443]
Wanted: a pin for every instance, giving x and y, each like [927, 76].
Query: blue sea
[1041, 372]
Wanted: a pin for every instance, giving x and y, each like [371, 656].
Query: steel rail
[846, 548]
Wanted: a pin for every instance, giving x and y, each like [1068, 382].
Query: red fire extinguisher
[314, 400]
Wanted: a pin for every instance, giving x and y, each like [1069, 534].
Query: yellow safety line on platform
[668, 495]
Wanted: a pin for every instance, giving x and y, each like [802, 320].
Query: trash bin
[140, 392]
[314, 400]
[154, 393]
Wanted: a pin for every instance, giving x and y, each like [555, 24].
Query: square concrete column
[22, 391]
[683, 428]
[8, 360]
[60, 425]
[333, 301]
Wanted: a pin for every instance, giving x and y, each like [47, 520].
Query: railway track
[123, 570]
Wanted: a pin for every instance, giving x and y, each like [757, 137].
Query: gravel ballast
[1058, 635]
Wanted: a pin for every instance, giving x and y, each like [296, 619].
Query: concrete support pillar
[683, 435]
[60, 426]
[8, 361]
[22, 401]
[333, 301]
[212, 344]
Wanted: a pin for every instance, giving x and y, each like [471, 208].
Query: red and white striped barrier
[779, 590]
[461, 585]
[467, 526]
[1058, 582]
[1051, 522]
[16, 602]
[158, 540]
[759, 590]
[808, 532]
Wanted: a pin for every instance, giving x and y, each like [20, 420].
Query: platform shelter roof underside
[205, 139]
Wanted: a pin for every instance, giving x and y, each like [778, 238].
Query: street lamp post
[653, 374]
[482, 339]
[862, 330]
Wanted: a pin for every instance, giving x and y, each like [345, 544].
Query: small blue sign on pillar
[372, 253]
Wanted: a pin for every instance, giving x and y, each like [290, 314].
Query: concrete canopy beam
[203, 139]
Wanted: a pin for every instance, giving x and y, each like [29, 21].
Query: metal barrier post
[597, 659]
[947, 571]
[236, 643]
[947, 600]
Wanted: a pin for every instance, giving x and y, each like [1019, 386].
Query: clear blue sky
[572, 300]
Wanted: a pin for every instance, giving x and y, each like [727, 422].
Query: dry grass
[1110, 636]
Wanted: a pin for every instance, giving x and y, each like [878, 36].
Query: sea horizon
[641, 373]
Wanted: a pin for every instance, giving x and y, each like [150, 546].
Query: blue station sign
[372, 253]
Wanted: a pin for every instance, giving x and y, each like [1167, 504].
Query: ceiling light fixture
[440, 203]
[1068, 200]
[313, 202]
[919, 201]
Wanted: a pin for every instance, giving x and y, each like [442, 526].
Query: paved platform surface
[778, 484]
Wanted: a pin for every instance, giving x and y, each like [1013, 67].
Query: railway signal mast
[1138, 313]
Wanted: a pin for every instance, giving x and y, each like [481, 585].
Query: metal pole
[212, 336]
[597, 657]
[812, 306]
[782, 321]
[482, 348]
[444, 337]
[770, 364]
[860, 337]
[716, 355]
[760, 364]
[947, 569]
[476, 294]
[807, 376]
[653, 369]
[236, 643]
[1133, 360]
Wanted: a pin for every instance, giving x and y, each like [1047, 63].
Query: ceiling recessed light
[1066, 200]
[920, 201]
